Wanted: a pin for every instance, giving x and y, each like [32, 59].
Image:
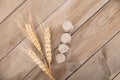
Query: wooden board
[100, 4]
[94, 26]
[7, 7]
[93, 4]
[103, 65]
[10, 35]
[81, 41]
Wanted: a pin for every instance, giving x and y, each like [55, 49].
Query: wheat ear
[33, 36]
[47, 44]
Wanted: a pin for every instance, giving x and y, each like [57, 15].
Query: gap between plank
[115, 76]
[12, 11]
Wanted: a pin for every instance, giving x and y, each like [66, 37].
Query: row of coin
[65, 40]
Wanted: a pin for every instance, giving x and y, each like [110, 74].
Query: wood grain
[7, 7]
[103, 65]
[77, 13]
[10, 34]
[94, 25]
[81, 40]
[91, 36]
[67, 9]
[96, 42]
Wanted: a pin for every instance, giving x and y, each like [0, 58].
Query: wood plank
[85, 12]
[7, 7]
[95, 29]
[103, 65]
[10, 35]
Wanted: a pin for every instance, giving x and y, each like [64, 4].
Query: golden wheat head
[47, 41]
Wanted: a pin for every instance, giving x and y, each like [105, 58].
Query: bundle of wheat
[44, 61]
[45, 65]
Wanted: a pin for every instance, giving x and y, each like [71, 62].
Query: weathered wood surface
[103, 65]
[7, 7]
[72, 63]
[95, 23]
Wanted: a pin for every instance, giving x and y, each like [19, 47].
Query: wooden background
[95, 48]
